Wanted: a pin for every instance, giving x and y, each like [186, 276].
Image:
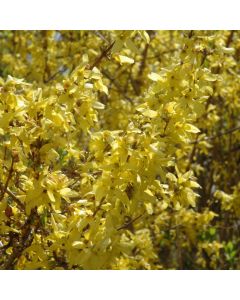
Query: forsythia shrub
[119, 150]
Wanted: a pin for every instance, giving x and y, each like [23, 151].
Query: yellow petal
[125, 60]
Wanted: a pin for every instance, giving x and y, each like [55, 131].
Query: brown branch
[29, 228]
[10, 193]
[128, 224]
[96, 32]
[46, 56]
[208, 138]
[143, 62]
[101, 56]
[116, 84]
[60, 261]
[55, 74]
[98, 207]
[192, 154]
[230, 38]
[4, 189]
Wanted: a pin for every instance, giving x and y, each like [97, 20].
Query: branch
[55, 74]
[98, 207]
[208, 138]
[101, 56]
[4, 190]
[100, 35]
[119, 88]
[60, 261]
[230, 38]
[10, 193]
[128, 225]
[143, 62]
[29, 229]
[191, 158]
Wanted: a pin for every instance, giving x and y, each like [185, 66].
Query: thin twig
[10, 193]
[116, 84]
[128, 224]
[143, 62]
[100, 35]
[208, 138]
[101, 56]
[191, 158]
[29, 230]
[98, 207]
[55, 74]
[230, 38]
[4, 190]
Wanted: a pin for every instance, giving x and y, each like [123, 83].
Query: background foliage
[119, 149]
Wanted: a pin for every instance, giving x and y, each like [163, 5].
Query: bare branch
[209, 138]
[4, 189]
[101, 56]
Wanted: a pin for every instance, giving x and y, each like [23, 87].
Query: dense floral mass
[119, 150]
